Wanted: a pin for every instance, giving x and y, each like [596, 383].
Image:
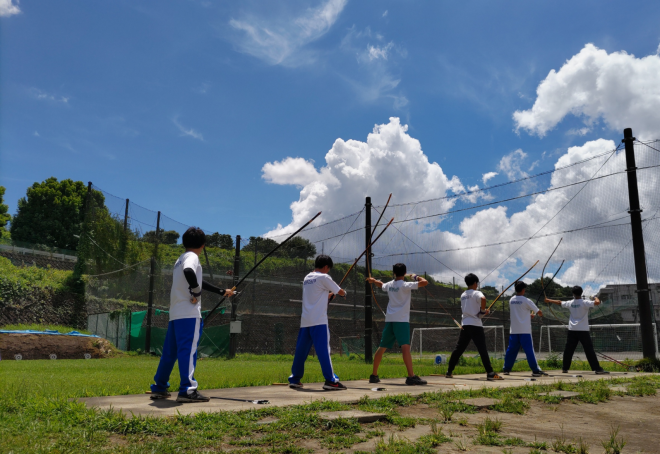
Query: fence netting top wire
[496, 232]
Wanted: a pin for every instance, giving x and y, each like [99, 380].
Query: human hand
[539, 313]
[229, 292]
[371, 280]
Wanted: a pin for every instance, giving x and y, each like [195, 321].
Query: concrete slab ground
[562, 394]
[361, 416]
[235, 399]
[480, 402]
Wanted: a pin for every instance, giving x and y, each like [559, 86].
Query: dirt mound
[43, 346]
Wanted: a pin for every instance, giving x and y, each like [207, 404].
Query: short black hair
[399, 269]
[323, 260]
[193, 238]
[577, 291]
[471, 279]
[520, 286]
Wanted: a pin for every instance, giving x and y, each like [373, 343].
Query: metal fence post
[645, 313]
[368, 323]
[233, 338]
[150, 302]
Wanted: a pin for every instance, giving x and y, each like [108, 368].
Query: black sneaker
[539, 373]
[493, 377]
[506, 372]
[295, 385]
[157, 395]
[415, 380]
[374, 378]
[564, 371]
[602, 372]
[192, 397]
[449, 375]
[333, 386]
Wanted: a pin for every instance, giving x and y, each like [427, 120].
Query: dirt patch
[42, 346]
[636, 417]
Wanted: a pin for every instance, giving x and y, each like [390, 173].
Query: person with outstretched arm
[185, 327]
[473, 306]
[318, 288]
[578, 330]
[397, 320]
[522, 310]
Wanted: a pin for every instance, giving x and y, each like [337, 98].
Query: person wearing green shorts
[397, 320]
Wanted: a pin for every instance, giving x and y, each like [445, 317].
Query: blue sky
[179, 104]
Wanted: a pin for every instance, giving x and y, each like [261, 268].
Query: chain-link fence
[583, 200]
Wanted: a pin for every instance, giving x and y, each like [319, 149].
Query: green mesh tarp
[214, 340]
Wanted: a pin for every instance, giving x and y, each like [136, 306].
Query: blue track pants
[319, 336]
[515, 341]
[181, 343]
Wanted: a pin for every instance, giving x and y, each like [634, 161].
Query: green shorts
[395, 330]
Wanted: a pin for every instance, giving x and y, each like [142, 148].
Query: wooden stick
[208, 316]
[510, 285]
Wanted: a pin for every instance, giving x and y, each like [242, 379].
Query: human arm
[596, 301]
[196, 290]
[373, 280]
[549, 301]
[484, 302]
[421, 282]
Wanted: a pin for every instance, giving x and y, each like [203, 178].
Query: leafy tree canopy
[553, 290]
[166, 236]
[264, 245]
[220, 240]
[299, 247]
[4, 216]
[52, 213]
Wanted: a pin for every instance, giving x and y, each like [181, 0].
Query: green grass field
[37, 416]
[132, 374]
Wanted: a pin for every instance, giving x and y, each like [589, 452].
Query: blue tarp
[48, 331]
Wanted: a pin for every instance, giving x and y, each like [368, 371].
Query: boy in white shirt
[397, 320]
[473, 306]
[185, 326]
[317, 290]
[522, 310]
[578, 330]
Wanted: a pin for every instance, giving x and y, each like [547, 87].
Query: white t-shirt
[315, 299]
[579, 320]
[399, 292]
[471, 306]
[521, 309]
[180, 305]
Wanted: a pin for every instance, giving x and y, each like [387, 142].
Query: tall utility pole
[233, 337]
[368, 354]
[126, 216]
[426, 298]
[152, 276]
[355, 279]
[645, 313]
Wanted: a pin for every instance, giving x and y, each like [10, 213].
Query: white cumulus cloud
[280, 41]
[8, 8]
[487, 176]
[390, 161]
[620, 89]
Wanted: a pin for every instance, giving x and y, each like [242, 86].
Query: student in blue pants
[318, 286]
[522, 310]
[185, 326]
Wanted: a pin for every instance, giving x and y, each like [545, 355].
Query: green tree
[299, 247]
[166, 236]
[220, 240]
[4, 216]
[52, 213]
[264, 245]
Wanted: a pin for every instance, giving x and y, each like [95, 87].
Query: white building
[623, 298]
